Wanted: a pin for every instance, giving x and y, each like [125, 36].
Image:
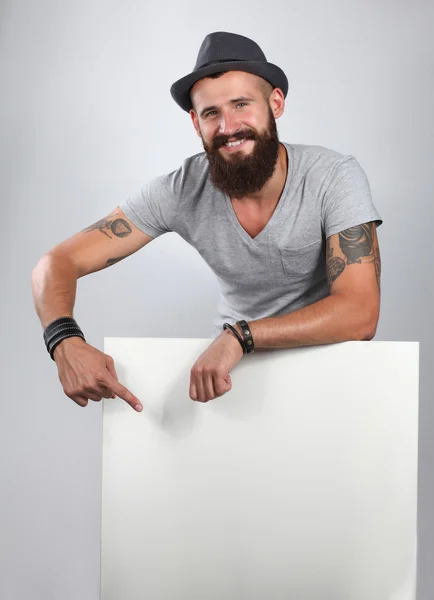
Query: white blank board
[300, 483]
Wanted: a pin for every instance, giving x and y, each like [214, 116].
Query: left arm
[352, 309]
[350, 312]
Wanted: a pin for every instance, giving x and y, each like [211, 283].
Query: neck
[273, 189]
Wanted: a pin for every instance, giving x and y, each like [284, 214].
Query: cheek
[208, 131]
[251, 121]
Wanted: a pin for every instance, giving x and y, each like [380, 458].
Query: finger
[80, 400]
[112, 370]
[92, 395]
[208, 386]
[200, 388]
[111, 367]
[97, 392]
[222, 385]
[121, 391]
[104, 391]
[193, 388]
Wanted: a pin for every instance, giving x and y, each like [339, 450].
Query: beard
[241, 174]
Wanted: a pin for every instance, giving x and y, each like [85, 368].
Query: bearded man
[288, 229]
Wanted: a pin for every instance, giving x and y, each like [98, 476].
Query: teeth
[237, 143]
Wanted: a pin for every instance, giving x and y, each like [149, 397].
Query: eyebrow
[234, 101]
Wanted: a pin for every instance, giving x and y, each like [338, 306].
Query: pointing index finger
[121, 391]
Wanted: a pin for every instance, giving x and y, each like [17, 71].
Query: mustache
[221, 140]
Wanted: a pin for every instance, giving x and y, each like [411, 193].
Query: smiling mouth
[233, 144]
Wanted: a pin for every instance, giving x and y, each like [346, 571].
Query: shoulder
[189, 178]
[314, 153]
[320, 162]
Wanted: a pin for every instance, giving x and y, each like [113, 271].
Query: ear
[277, 102]
[195, 120]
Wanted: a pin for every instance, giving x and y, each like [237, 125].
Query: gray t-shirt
[283, 268]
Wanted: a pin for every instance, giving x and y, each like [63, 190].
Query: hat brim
[180, 90]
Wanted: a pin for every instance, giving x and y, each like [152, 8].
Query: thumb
[228, 380]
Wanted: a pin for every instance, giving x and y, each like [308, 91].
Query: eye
[208, 114]
[240, 103]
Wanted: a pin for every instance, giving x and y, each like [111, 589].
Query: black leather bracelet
[61, 331]
[60, 339]
[58, 330]
[237, 335]
[58, 324]
[247, 336]
[58, 335]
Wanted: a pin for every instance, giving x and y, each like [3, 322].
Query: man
[289, 230]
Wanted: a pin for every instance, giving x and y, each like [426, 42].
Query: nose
[229, 123]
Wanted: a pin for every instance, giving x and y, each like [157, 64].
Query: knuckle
[72, 391]
[88, 389]
[99, 377]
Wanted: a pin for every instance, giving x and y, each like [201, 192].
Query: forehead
[230, 85]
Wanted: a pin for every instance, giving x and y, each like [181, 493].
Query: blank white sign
[298, 484]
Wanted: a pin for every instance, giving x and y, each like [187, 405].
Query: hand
[86, 374]
[209, 376]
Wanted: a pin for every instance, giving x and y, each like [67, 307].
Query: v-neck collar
[233, 217]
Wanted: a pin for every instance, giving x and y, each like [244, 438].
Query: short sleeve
[347, 201]
[152, 208]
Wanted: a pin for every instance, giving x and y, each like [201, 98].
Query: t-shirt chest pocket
[303, 263]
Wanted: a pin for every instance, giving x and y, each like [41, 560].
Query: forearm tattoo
[358, 245]
[112, 261]
[118, 227]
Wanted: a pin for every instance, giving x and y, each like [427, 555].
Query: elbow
[40, 267]
[369, 335]
[363, 321]
[37, 270]
[361, 317]
[368, 328]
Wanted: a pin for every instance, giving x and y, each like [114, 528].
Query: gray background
[86, 118]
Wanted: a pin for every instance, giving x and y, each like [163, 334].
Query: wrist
[238, 328]
[233, 342]
[246, 334]
[63, 347]
[236, 336]
[61, 328]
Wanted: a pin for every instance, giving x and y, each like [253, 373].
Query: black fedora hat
[222, 51]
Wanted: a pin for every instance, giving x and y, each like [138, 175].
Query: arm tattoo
[335, 265]
[112, 261]
[119, 227]
[356, 242]
[335, 268]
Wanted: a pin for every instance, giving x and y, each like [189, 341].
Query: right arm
[54, 284]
